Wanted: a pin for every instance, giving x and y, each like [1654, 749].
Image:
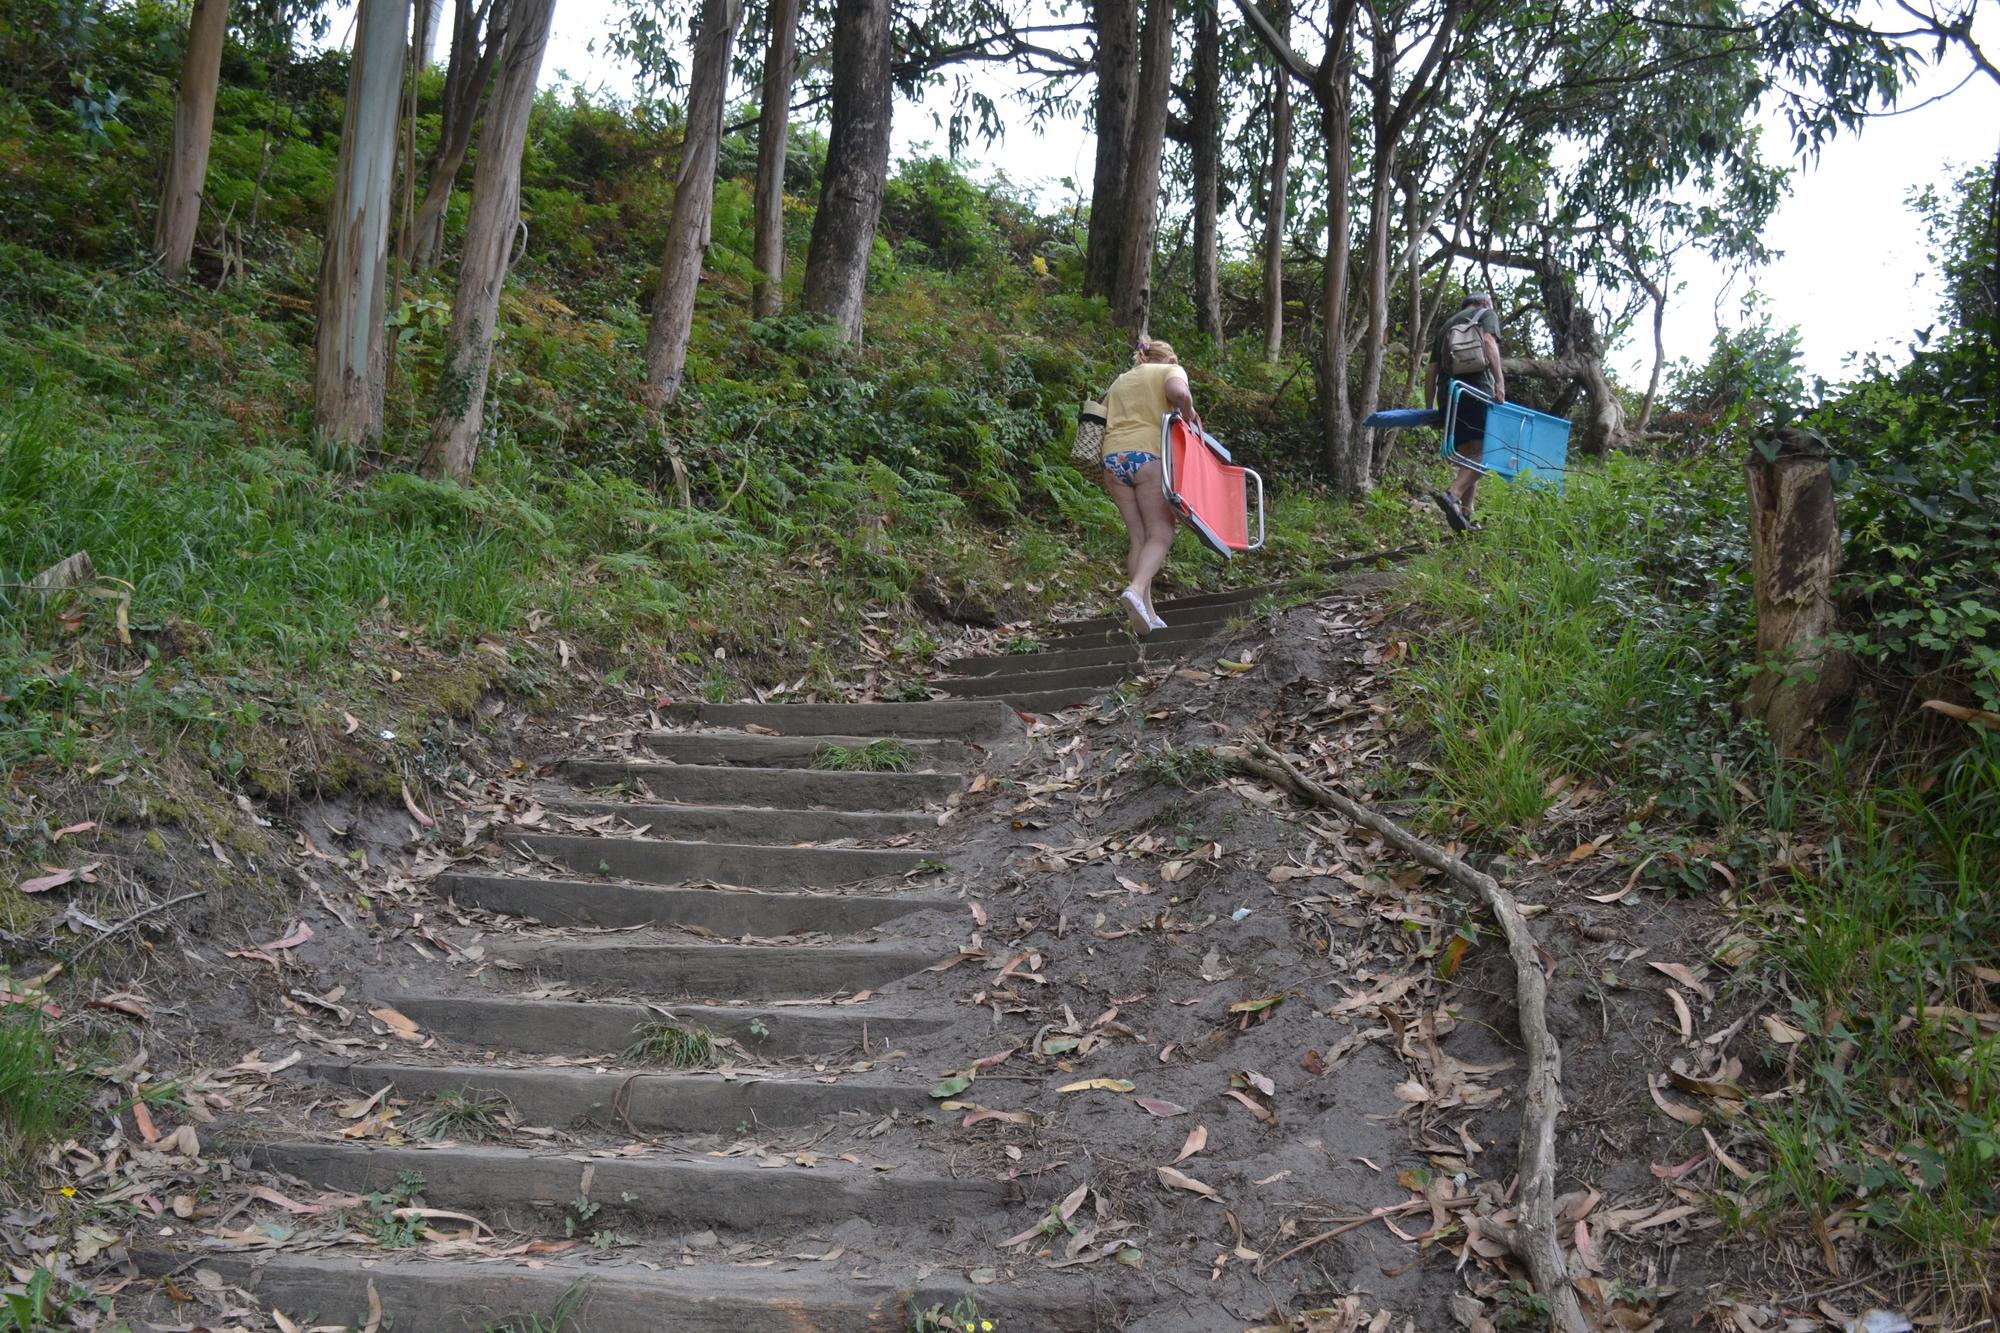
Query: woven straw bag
[1087, 450]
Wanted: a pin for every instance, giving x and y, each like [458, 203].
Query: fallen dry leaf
[1680, 972]
[1163, 1109]
[1173, 1179]
[416, 813]
[1687, 1115]
[403, 1027]
[1197, 1139]
[1778, 1030]
[1099, 1085]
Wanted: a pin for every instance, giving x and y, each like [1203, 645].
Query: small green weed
[466, 1114]
[672, 1045]
[38, 1307]
[390, 1231]
[1186, 767]
[1023, 643]
[887, 755]
[962, 1317]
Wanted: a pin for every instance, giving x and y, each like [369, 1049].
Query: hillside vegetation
[270, 616]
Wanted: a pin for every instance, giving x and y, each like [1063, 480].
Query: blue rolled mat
[1398, 417]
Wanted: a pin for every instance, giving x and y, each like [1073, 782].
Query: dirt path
[1058, 1025]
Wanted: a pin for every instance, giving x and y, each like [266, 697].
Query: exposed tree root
[1536, 1240]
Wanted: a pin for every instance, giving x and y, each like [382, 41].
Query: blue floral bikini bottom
[1125, 466]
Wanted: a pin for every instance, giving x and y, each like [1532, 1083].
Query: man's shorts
[1469, 429]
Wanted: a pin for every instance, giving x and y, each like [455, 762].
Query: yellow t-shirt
[1133, 408]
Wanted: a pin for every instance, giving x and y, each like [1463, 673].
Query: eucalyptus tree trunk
[773, 124]
[432, 17]
[694, 204]
[348, 365]
[1132, 296]
[1117, 23]
[194, 123]
[1206, 151]
[460, 403]
[857, 166]
[476, 39]
[1274, 198]
[1348, 472]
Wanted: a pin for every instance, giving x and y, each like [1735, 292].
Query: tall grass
[1601, 634]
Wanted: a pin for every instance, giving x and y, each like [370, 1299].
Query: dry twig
[1537, 1240]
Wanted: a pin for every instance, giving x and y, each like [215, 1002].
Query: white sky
[1851, 254]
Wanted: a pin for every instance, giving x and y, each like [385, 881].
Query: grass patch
[42, 1096]
[1174, 766]
[466, 1114]
[884, 756]
[673, 1046]
[1602, 634]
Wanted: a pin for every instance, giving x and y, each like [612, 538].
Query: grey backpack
[1464, 346]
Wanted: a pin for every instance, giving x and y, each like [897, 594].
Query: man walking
[1467, 349]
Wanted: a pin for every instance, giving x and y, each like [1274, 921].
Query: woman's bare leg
[1158, 517]
[1135, 524]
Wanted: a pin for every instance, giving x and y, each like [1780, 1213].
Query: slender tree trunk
[489, 239]
[473, 57]
[1348, 472]
[348, 355]
[1132, 297]
[1117, 23]
[694, 203]
[194, 121]
[773, 124]
[1656, 291]
[1274, 220]
[1204, 124]
[1413, 274]
[857, 166]
[1375, 341]
[432, 17]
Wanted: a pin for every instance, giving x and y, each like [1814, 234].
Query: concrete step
[564, 902]
[588, 1027]
[649, 1102]
[1126, 654]
[1208, 613]
[788, 788]
[1053, 701]
[715, 971]
[652, 861]
[519, 1190]
[1249, 593]
[1185, 632]
[754, 751]
[946, 719]
[455, 1296]
[749, 823]
[1009, 684]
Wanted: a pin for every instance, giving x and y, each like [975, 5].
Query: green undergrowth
[1600, 636]
[884, 756]
[41, 1095]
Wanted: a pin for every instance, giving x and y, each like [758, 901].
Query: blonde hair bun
[1158, 352]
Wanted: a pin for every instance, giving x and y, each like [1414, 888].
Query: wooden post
[1794, 555]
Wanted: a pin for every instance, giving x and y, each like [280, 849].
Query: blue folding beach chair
[1521, 444]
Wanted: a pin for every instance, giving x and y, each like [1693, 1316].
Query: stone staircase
[758, 899]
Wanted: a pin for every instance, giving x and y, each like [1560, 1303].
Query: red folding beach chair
[1210, 493]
